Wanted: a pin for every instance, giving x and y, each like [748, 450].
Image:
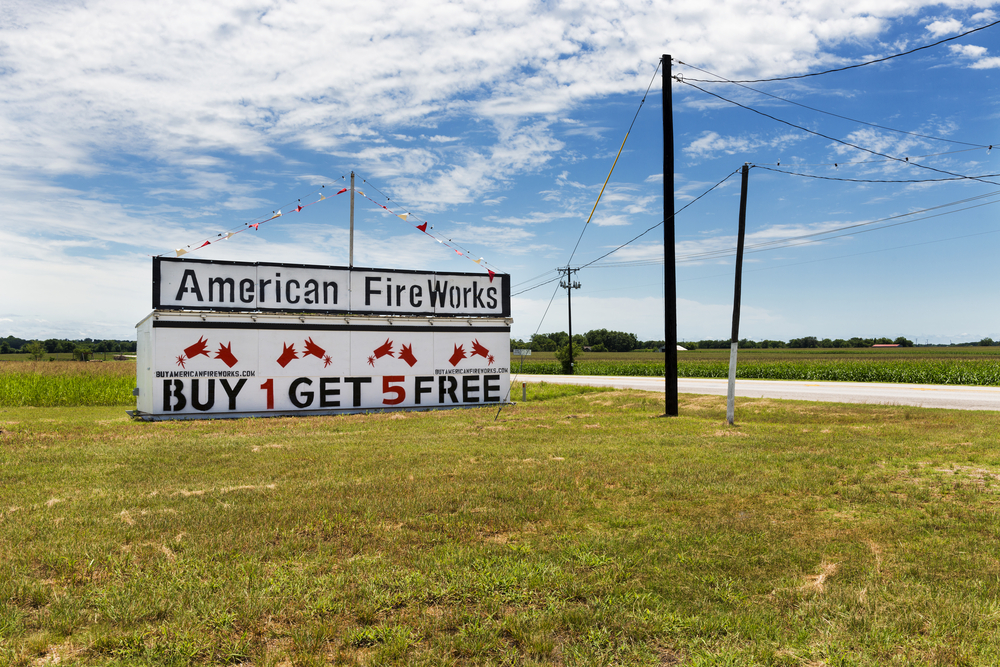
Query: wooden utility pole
[734, 341]
[350, 260]
[570, 285]
[669, 268]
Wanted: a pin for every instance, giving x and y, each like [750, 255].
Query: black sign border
[504, 289]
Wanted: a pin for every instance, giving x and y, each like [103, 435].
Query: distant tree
[4, 347]
[686, 344]
[560, 338]
[805, 342]
[82, 352]
[747, 344]
[35, 350]
[840, 342]
[986, 342]
[826, 342]
[15, 343]
[770, 344]
[903, 342]
[860, 342]
[613, 341]
[542, 343]
[562, 355]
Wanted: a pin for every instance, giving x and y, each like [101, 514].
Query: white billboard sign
[191, 284]
[218, 364]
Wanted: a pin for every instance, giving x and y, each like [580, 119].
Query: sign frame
[362, 286]
[205, 365]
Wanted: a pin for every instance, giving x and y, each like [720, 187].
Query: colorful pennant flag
[423, 227]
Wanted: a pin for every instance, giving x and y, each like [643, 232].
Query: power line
[850, 163]
[864, 64]
[627, 132]
[541, 321]
[857, 254]
[529, 280]
[905, 160]
[830, 113]
[636, 238]
[534, 287]
[873, 180]
[812, 237]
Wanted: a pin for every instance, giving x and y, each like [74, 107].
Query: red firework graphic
[457, 355]
[385, 349]
[226, 354]
[287, 354]
[313, 349]
[479, 350]
[201, 347]
[406, 354]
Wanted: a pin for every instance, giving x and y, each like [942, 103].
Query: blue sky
[129, 130]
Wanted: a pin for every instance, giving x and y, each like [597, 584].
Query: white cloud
[710, 143]
[977, 54]
[945, 27]
[610, 220]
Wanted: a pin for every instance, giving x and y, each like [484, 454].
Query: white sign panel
[219, 365]
[190, 284]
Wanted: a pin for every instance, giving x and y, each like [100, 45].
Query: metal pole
[734, 341]
[350, 261]
[669, 268]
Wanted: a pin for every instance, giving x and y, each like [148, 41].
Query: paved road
[923, 395]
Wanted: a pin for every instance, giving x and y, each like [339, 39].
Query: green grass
[578, 528]
[66, 383]
[964, 366]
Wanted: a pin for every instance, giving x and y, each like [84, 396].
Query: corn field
[66, 383]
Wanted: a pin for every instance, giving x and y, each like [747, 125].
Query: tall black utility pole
[569, 285]
[734, 341]
[669, 269]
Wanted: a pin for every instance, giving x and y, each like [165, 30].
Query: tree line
[81, 349]
[798, 343]
[597, 340]
[602, 340]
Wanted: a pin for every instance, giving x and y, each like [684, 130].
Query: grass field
[66, 383]
[578, 528]
[960, 365]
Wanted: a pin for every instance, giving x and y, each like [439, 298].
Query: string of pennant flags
[424, 227]
[298, 206]
[225, 236]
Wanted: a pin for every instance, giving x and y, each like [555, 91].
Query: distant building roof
[886, 345]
